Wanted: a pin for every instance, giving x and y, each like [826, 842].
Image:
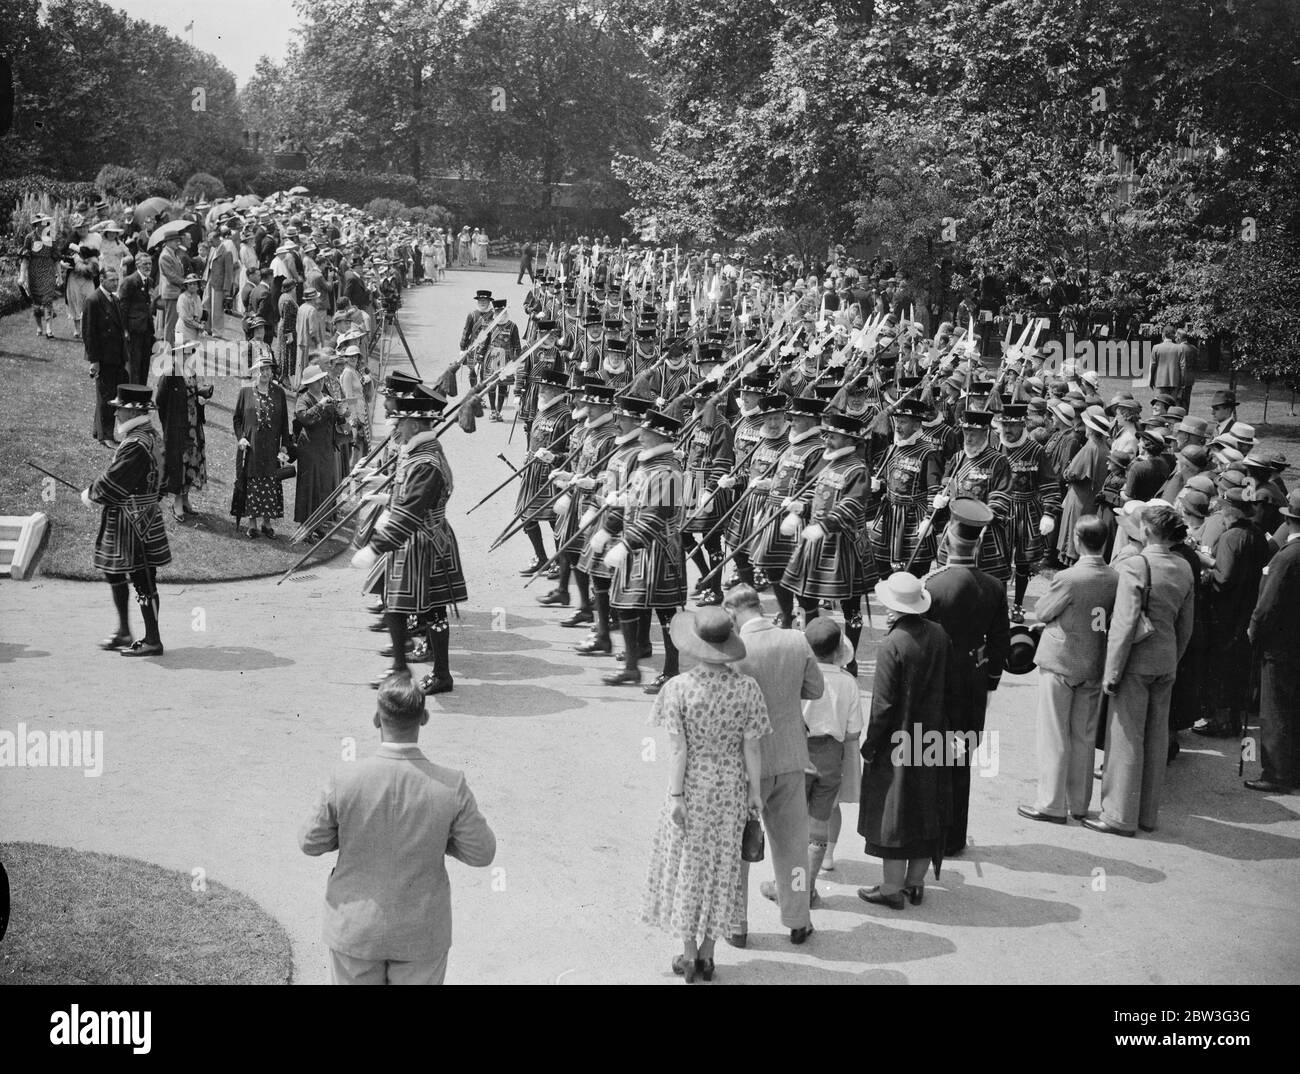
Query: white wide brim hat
[903, 592]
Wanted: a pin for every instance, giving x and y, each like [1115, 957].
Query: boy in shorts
[834, 724]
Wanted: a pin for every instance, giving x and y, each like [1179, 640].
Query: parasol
[246, 201]
[149, 208]
[298, 190]
[169, 229]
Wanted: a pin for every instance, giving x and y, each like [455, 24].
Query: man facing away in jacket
[1076, 612]
[787, 672]
[393, 818]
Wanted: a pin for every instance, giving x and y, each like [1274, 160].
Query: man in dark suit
[1071, 659]
[137, 312]
[104, 332]
[972, 607]
[1275, 632]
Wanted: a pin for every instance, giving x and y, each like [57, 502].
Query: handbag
[283, 473]
[751, 841]
[1144, 628]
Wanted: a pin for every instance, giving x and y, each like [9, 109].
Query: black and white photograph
[650, 492]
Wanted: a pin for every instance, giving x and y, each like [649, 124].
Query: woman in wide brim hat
[906, 796]
[714, 716]
[264, 436]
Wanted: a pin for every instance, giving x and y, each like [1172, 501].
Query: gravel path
[213, 756]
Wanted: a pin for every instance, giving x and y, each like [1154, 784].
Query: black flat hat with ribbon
[632, 406]
[133, 397]
[399, 383]
[422, 402]
[555, 377]
[976, 419]
[598, 394]
[913, 406]
[844, 425]
[805, 407]
[656, 421]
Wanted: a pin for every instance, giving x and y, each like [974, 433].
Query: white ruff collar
[134, 423]
[807, 434]
[604, 419]
[553, 401]
[839, 453]
[1016, 443]
[623, 439]
[907, 442]
[419, 439]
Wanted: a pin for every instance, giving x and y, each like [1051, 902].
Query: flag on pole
[189, 26]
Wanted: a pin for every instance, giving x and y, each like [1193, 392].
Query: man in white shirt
[834, 723]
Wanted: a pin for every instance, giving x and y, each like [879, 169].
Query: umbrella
[298, 190]
[246, 201]
[172, 227]
[220, 209]
[150, 208]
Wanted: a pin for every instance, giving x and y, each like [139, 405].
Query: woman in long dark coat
[906, 788]
[262, 430]
[1083, 480]
[180, 402]
[317, 452]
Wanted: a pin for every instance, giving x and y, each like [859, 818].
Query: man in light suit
[171, 284]
[393, 818]
[1140, 677]
[787, 672]
[1169, 364]
[223, 262]
[1076, 610]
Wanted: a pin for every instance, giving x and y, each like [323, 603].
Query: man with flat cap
[971, 606]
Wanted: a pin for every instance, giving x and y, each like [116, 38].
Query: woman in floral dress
[714, 716]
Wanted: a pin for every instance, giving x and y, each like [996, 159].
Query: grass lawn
[85, 918]
[1280, 433]
[45, 416]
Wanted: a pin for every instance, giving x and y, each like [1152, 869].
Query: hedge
[12, 191]
[355, 188]
[11, 297]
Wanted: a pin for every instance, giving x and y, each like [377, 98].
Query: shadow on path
[11, 651]
[509, 668]
[220, 658]
[773, 971]
[490, 699]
